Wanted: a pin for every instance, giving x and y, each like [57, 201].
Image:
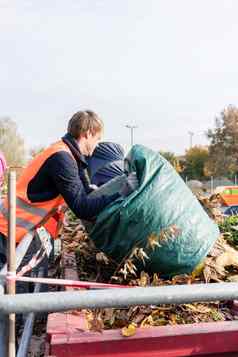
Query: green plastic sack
[161, 205]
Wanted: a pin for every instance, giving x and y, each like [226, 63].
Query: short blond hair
[84, 121]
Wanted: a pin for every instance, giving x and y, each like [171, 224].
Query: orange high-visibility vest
[28, 214]
[53, 224]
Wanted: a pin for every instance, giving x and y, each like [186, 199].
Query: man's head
[86, 127]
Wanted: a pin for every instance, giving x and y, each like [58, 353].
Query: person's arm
[63, 170]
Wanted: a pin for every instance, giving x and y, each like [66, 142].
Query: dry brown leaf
[128, 268]
[227, 259]
[144, 279]
[233, 278]
[142, 255]
[138, 318]
[198, 308]
[148, 321]
[94, 321]
[173, 319]
[153, 241]
[156, 280]
[129, 331]
[109, 316]
[101, 257]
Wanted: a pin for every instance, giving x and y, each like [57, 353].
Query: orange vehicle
[228, 194]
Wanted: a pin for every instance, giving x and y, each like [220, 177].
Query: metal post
[191, 138]
[131, 127]
[212, 185]
[11, 286]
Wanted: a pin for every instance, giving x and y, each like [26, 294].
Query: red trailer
[67, 335]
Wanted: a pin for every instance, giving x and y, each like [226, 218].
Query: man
[56, 176]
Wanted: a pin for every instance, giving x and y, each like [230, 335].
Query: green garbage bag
[162, 216]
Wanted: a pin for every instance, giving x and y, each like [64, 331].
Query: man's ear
[85, 135]
[88, 134]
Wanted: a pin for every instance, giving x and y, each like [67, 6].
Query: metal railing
[117, 298]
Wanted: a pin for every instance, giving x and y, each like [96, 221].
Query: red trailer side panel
[68, 337]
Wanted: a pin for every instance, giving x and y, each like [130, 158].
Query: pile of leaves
[211, 205]
[221, 263]
[129, 319]
[93, 265]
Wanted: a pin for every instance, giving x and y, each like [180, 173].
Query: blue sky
[167, 66]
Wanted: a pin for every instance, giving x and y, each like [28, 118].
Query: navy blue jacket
[61, 174]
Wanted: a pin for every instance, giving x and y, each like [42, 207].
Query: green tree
[223, 150]
[11, 143]
[195, 162]
[169, 156]
[174, 161]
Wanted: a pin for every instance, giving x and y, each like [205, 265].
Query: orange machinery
[228, 194]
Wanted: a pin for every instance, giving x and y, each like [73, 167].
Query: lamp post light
[132, 127]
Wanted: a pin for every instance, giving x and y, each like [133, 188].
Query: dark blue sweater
[61, 174]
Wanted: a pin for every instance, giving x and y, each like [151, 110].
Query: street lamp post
[191, 138]
[131, 127]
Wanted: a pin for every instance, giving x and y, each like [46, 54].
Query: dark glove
[130, 185]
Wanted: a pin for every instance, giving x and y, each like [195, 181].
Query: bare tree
[223, 150]
[11, 143]
[36, 150]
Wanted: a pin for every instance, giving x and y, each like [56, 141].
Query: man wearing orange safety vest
[57, 176]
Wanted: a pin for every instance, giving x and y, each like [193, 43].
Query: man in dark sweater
[61, 173]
